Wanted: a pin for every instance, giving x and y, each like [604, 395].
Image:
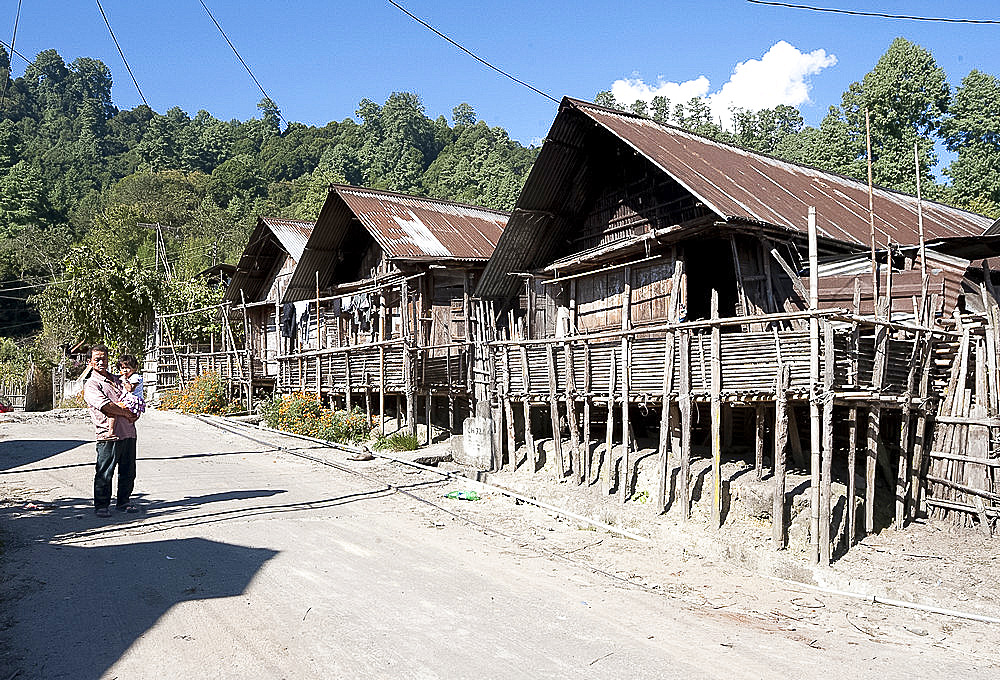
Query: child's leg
[111, 428]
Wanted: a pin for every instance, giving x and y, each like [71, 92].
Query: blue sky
[319, 59]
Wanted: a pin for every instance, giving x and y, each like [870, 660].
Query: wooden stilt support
[758, 448]
[663, 463]
[576, 459]
[529, 437]
[588, 384]
[554, 411]
[508, 405]
[608, 461]
[716, 402]
[826, 497]
[852, 469]
[780, 450]
[684, 477]
[814, 385]
[905, 450]
[625, 470]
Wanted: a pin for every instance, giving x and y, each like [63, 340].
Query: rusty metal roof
[740, 184]
[733, 184]
[272, 238]
[408, 228]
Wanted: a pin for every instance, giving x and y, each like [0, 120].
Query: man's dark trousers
[118, 453]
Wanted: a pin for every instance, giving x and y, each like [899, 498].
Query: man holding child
[116, 436]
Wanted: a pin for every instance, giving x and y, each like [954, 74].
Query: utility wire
[469, 52]
[13, 38]
[233, 47]
[13, 51]
[127, 67]
[881, 15]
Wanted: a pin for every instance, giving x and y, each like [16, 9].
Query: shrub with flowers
[205, 394]
[302, 414]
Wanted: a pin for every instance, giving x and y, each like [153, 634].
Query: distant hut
[391, 277]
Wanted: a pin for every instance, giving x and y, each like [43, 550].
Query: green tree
[906, 95]
[972, 130]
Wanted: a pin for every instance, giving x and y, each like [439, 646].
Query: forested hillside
[80, 178]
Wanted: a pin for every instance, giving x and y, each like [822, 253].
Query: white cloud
[780, 76]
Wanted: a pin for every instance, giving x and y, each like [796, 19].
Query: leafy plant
[399, 441]
[301, 414]
[205, 394]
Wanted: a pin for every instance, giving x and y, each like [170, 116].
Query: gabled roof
[408, 228]
[271, 239]
[734, 184]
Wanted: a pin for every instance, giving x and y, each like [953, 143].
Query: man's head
[99, 358]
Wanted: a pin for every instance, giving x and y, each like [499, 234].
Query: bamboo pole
[409, 375]
[588, 385]
[922, 318]
[825, 545]
[814, 410]
[780, 451]
[509, 413]
[905, 450]
[663, 463]
[758, 449]
[529, 438]
[626, 458]
[716, 399]
[554, 412]
[852, 466]
[574, 435]
[684, 478]
[608, 462]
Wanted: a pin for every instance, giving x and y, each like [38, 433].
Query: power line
[13, 51]
[127, 67]
[469, 52]
[233, 47]
[881, 15]
[17, 17]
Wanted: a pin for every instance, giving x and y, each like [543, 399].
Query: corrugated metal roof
[270, 237]
[740, 184]
[733, 184]
[408, 228]
[293, 234]
[412, 227]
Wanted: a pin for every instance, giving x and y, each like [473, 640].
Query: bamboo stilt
[716, 399]
[852, 467]
[663, 463]
[825, 545]
[554, 412]
[684, 478]
[780, 451]
[608, 462]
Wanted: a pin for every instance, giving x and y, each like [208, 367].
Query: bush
[400, 441]
[204, 394]
[301, 414]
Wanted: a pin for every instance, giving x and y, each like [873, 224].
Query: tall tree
[972, 130]
[906, 95]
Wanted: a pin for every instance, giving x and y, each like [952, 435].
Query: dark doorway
[709, 264]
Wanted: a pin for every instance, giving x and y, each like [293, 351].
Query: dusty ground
[729, 585]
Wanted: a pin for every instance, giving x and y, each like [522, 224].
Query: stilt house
[649, 295]
[391, 277]
[245, 349]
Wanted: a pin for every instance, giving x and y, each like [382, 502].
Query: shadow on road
[97, 601]
[17, 452]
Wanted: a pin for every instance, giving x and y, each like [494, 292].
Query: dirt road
[247, 561]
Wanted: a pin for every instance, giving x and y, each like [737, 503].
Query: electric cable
[233, 47]
[124, 60]
[13, 39]
[880, 15]
[470, 52]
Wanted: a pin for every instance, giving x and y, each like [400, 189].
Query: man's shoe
[103, 512]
